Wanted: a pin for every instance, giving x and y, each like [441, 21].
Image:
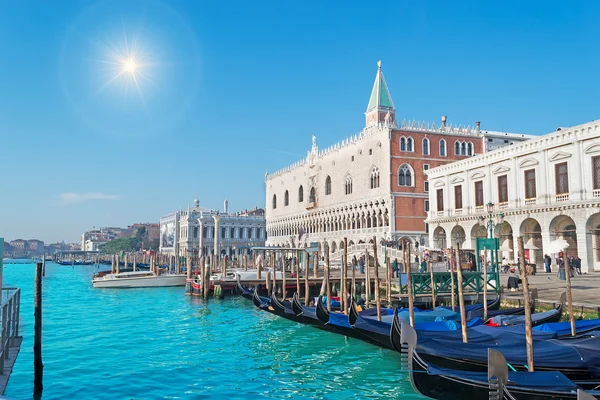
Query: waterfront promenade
[585, 289]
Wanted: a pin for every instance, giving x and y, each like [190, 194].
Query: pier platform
[13, 352]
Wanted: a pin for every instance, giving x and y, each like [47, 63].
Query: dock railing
[11, 306]
[473, 282]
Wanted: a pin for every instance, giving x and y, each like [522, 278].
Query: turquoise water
[158, 343]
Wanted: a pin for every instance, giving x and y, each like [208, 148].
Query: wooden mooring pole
[432, 278]
[409, 287]
[485, 284]
[344, 283]
[298, 272]
[452, 285]
[461, 298]
[569, 293]
[367, 278]
[376, 265]
[306, 288]
[327, 278]
[528, 324]
[38, 365]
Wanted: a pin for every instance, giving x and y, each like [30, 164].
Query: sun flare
[130, 66]
[127, 65]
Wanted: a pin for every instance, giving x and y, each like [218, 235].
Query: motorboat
[138, 279]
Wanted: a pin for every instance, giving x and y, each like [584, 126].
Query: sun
[130, 66]
[127, 65]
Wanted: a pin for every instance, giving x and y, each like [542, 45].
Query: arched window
[463, 149]
[286, 199]
[409, 144]
[404, 175]
[457, 148]
[348, 185]
[374, 178]
[470, 149]
[402, 144]
[300, 194]
[425, 147]
[442, 148]
[312, 196]
[274, 201]
[328, 185]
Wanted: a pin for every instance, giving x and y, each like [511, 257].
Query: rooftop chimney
[225, 206]
[477, 126]
[444, 118]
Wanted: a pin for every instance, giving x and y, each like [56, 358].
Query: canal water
[160, 344]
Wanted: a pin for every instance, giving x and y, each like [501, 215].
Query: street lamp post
[490, 226]
[490, 219]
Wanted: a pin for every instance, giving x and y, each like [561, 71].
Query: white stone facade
[195, 229]
[359, 215]
[541, 209]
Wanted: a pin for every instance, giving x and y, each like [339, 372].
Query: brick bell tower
[380, 103]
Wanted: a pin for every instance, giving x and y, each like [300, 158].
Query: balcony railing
[458, 211]
[596, 193]
[503, 205]
[440, 213]
[562, 197]
[530, 202]
[478, 209]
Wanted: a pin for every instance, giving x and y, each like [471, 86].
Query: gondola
[377, 331]
[496, 382]
[536, 318]
[492, 306]
[338, 322]
[577, 358]
[242, 291]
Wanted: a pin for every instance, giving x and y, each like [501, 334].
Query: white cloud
[72, 198]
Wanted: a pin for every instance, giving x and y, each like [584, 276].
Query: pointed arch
[457, 148]
[470, 149]
[300, 194]
[410, 144]
[274, 201]
[425, 147]
[402, 143]
[463, 149]
[443, 152]
[328, 185]
[286, 198]
[374, 177]
[405, 175]
[312, 195]
[348, 185]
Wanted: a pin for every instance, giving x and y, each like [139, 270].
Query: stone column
[200, 237]
[217, 218]
[576, 183]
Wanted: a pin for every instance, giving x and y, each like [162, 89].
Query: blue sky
[238, 88]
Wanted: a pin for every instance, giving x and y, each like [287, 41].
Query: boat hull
[140, 282]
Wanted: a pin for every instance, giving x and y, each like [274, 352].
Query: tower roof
[380, 95]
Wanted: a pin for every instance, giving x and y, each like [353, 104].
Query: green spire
[380, 95]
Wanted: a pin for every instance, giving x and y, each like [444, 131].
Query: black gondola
[575, 358]
[340, 324]
[536, 318]
[496, 382]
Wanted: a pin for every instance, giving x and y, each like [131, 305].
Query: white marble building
[195, 229]
[355, 202]
[546, 189]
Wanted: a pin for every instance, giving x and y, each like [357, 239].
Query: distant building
[35, 246]
[193, 230]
